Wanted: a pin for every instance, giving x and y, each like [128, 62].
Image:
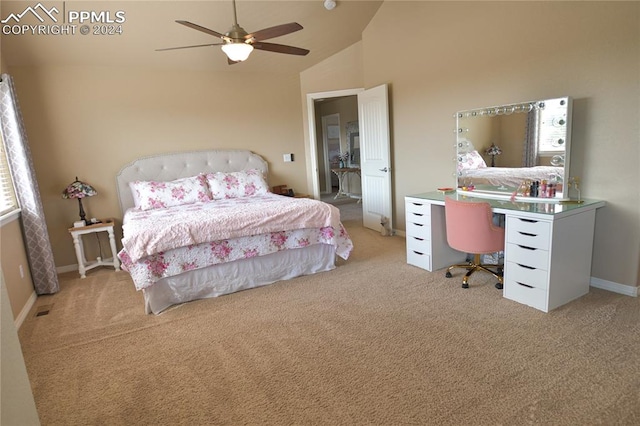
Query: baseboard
[25, 310]
[68, 268]
[627, 290]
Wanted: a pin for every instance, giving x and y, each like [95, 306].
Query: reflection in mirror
[517, 148]
[353, 144]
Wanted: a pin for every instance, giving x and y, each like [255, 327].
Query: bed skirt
[243, 274]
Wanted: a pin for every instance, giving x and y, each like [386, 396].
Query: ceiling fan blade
[189, 47]
[273, 32]
[201, 28]
[280, 48]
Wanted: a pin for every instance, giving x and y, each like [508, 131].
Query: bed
[511, 176]
[472, 170]
[204, 224]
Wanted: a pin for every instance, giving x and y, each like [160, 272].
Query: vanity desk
[548, 247]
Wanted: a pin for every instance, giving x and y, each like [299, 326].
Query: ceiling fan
[237, 44]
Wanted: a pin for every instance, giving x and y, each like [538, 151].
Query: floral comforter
[166, 242]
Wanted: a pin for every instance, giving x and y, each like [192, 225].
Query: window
[553, 129]
[8, 201]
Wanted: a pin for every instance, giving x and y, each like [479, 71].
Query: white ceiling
[151, 25]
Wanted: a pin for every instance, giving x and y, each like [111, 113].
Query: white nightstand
[83, 265]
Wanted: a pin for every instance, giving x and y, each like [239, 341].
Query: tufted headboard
[167, 167]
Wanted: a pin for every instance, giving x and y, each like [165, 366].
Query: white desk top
[555, 209]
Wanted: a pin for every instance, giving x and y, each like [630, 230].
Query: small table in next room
[342, 174]
[105, 226]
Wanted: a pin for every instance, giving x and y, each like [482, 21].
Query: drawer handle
[527, 248]
[418, 214]
[527, 234]
[417, 204]
[524, 285]
[418, 238]
[528, 220]
[417, 252]
[525, 266]
[418, 224]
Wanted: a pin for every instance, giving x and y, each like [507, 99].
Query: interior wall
[15, 266]
[17, 406]
[347, 107]
[341, 71]
[475, 54]
[3, 65]
[90, 122]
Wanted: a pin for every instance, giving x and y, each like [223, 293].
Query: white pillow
[246, 183]
[149, 195]
[471, 160]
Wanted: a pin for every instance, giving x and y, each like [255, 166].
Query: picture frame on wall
[333, 132]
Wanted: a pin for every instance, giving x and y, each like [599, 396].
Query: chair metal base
[474, 266]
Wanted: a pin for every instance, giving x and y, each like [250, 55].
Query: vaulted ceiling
[150, 25]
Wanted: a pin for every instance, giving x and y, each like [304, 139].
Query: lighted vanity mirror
[521, 147]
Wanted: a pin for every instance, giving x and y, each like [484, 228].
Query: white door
[331, 150]
[375, 157]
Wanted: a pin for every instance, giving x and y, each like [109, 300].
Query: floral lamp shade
[78, 189]
[493, 150]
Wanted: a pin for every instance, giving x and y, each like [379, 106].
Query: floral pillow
[470, 160]
[246, 183]
[149, 195]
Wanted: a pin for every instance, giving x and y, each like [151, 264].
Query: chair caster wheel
[448, 274]
[465, 285]
[499, 286]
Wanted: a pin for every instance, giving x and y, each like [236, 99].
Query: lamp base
[83, 216]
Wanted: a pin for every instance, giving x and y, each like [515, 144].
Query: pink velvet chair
[470, 229]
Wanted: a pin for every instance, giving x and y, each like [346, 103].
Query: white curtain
[43, 271]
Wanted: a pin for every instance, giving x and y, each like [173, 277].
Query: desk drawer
[419, 230]
[416, 218]
[530, 233]
[417, 208]
[419, 244]
[530, 296]
[418, 258]
[532, 277]
[529, 256]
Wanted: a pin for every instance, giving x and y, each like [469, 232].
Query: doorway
[374, 171]
[331, 151]
[338, 177]
[330, 115]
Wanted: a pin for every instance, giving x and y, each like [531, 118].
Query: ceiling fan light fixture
[237, 52]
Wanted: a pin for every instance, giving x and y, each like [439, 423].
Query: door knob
[384, 170]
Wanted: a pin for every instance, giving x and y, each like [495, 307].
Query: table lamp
[493, 150]
[79, 190]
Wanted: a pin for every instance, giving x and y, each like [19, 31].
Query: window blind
[8, 201]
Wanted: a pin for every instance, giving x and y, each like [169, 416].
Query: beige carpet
[375, 342]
